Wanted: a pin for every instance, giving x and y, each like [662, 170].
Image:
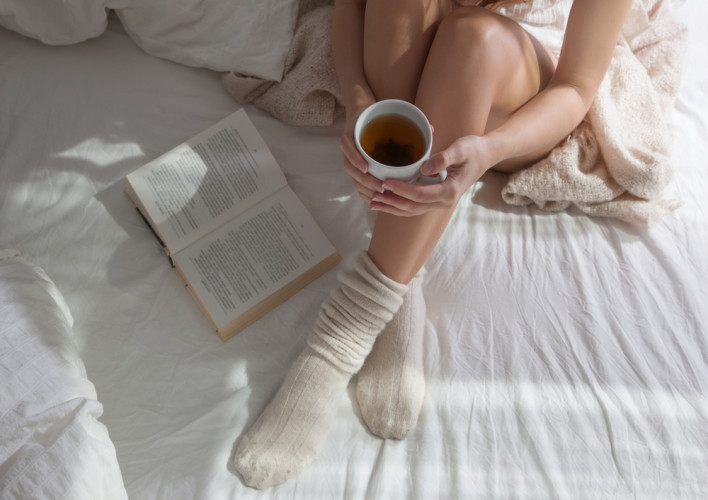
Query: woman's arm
[347, 43]
[591, 35]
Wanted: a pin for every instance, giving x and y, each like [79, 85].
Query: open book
[238, 235]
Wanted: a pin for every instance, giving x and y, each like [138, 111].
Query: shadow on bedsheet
[175, 396]
[169, 333]
[600, 385]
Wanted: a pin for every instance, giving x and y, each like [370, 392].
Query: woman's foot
[293, 427]
[391, 384]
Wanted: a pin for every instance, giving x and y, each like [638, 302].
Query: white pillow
[55, 22]
[247, 36]
[51, 442]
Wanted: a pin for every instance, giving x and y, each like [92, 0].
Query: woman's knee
[495, 48]
[477, 31]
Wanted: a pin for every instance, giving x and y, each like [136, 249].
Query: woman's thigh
[479, 69]
[397, 38]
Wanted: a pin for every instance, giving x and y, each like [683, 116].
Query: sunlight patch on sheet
[341, 199]
[102, 153]
[554, 396]
[532, 437]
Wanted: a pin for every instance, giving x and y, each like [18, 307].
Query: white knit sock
[391, 384]
[292, 428]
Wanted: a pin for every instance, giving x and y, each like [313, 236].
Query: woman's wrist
[494, 149]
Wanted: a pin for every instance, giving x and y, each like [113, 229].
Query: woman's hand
[465, 160]
[355, 164]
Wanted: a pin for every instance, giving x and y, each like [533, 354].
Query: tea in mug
[393, 140]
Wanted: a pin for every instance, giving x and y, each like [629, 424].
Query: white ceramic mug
[408, 173]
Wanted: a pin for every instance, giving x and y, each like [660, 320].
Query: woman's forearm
[591, 35]
[347, 43]
[539, 125]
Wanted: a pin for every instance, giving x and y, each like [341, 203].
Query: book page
[200, 184]
[253, 256]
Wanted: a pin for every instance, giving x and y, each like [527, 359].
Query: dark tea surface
[393, 140]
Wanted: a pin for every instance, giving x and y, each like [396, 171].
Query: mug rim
[379, 108]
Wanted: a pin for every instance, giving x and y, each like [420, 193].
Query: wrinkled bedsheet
[566, 356]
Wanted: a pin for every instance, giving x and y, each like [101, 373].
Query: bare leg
[461, 71]
[390, 385]
[487, 66]
[397, 38]
[479, 62]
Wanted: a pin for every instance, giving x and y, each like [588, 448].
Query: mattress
[565, 356]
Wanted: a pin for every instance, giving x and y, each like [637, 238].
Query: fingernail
[426, 168]
[385, 187]
[380, 187]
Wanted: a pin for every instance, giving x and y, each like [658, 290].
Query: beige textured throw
[615, 164]
[309, 91]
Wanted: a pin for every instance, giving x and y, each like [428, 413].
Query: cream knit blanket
[309, 92]
[615, 164]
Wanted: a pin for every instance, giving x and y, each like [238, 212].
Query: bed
[566, 356]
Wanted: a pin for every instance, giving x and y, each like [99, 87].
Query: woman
[497, 98]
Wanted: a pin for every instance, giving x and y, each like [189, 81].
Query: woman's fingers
[360, 179]
[406, 199]
[395, 205]
[451, 156]
[440, 194]
[352, 154]
[391, 202]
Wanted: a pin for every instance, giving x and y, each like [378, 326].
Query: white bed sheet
[566, 357]
[51, 442]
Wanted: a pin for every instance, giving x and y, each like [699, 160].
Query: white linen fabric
[248, 36]
[51, 442]
[56, 23]
[565, 356]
